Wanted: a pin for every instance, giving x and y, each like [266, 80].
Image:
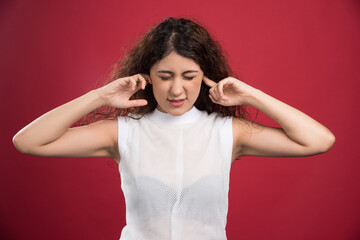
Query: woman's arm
[299, 135]
[50, 135]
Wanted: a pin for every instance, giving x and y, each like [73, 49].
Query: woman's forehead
[176, 63]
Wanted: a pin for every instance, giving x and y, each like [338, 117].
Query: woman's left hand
[229, 91]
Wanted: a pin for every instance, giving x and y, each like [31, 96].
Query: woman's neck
[163, 118]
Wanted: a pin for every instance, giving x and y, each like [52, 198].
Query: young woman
[182, 126]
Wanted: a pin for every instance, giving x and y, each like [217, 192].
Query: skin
[50, 135]
[182, 81]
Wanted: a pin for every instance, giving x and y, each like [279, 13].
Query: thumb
[209, 82]
[137, 103]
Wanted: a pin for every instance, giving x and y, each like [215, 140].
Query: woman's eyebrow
[170, 72]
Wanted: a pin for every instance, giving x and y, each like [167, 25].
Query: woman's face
[176, 83]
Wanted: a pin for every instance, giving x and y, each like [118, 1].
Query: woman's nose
[176, 87]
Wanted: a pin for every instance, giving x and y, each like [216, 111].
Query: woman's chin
[175, 110]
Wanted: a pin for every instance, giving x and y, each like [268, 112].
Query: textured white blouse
[175, 175]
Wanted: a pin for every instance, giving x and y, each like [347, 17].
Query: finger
[143, 80]
[220, 102]
[147, 78]
[137, 103]
[138, 81]
[212, 98]
[127, 81]
[215, 93]
[220, 89]
[132, 83]
[209, 82]
[211, 91]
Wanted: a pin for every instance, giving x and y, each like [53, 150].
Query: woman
[185, 127]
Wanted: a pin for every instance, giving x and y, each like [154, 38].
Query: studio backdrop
[305, 53]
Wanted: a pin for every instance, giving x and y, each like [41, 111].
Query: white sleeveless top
[175, 175]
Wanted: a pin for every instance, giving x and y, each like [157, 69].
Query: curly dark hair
[188, 39]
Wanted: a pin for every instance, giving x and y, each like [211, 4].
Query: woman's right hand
[117, 93]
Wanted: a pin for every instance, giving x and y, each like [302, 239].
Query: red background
[305, 53]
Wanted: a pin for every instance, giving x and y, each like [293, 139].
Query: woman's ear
[149, 80]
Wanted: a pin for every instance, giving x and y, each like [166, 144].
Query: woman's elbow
[20, 144]
[327, 143]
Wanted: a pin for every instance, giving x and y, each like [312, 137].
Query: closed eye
[167, 78]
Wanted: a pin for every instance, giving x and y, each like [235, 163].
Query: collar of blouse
[166, 119]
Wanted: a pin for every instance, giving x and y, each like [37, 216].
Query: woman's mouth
[176, 102]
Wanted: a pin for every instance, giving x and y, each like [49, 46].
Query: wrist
[254, 97]
[96, 98]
